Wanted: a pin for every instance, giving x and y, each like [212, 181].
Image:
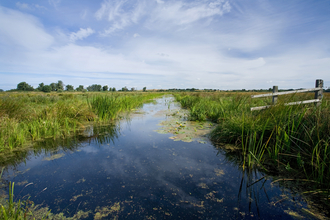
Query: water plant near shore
[107, 107]
[292, 140]
[26, 117]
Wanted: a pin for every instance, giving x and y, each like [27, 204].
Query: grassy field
[290, 140]
[27, 117]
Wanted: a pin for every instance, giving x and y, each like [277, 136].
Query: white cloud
[22, 6]
[119, 18]
[110, 9]
[22, 30]
[54, 3]
[39, 6]
[81, 34]
[182, 13]
[160, 16]
[136, 35]
[83, 14]
[25, 6]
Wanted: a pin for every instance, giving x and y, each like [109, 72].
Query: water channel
[142, 168]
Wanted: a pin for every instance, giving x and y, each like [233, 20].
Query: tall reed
[286, 138]
[26, 117]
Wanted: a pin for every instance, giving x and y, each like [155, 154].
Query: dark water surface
[130, 171]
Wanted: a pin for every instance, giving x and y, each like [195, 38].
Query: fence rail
[317, 99]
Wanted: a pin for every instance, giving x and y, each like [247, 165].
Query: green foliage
[69, 88]
[144, 89]
[46, 88]
[59, 85]
[54, 86]
[94, 88]
[274, 137]
[41, 86]
[80, 88]
[23, 86]
[109, 106]
[105, 88]
[28, 117]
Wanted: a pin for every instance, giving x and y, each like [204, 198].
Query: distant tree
[94, 88]
[46, 88]
[1, 90]
[69, 88]
[53, 86]
[105, 88]
[80, 88]
[124, 89]
[40, 87]
[23, 86]
[114, 89]
[60, 85]
[144, 89]
[132, 89]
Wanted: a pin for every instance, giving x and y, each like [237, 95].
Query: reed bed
[26, 117]
[107, 107]
[292, 140]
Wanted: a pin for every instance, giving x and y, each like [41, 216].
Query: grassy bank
[292, 140]
[27, 117]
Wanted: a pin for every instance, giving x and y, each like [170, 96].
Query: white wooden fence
[317, 99]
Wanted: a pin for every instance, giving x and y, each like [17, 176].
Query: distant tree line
[59, 87]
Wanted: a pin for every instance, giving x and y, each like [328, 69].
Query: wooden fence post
[275, 89]
[319, 93]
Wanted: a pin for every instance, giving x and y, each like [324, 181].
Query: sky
[204, 44]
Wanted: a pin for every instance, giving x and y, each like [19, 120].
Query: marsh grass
[108, 107]
[286, 139]
[26, 117]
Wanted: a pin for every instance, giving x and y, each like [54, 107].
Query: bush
[46, 88]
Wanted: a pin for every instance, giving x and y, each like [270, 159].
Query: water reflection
[131, 171]
[254, 182]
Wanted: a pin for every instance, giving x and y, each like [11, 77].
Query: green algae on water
[183, 130]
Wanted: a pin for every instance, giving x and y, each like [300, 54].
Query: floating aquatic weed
[113, 211]
[211, 196]
[81, 180]
[54, 157]
[293, 214]
[203, 185]
[74, 198]
[218, 172]
[183, 130]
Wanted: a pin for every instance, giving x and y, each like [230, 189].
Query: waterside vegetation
[292, 141]
[33, 116]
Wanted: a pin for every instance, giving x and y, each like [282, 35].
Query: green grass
[108, 107]
[293, 140]
[27, 117]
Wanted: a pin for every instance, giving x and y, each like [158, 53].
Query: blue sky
[221, 44]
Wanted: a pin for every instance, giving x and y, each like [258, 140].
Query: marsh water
[152, 165]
